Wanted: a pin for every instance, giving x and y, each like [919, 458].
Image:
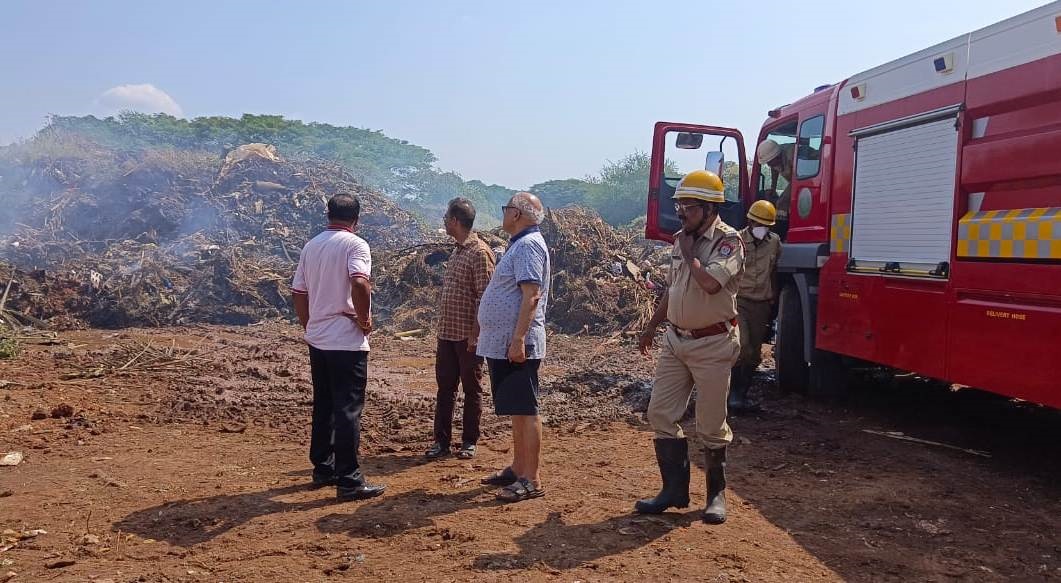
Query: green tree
[561, 193]
[622, 191]
[731, 179]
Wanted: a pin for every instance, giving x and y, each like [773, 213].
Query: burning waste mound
[604, 280]
[94, 236]
[164, 237]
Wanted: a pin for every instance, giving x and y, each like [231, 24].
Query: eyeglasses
[506, 207]
[686, 207]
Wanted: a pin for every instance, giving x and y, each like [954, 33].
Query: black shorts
[514, 386]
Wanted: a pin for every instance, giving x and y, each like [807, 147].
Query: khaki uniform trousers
[683, 363]
[753, 318]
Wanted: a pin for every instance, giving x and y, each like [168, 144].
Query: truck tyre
[792, 370]
[828, 376]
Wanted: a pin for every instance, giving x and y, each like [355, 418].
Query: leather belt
[712, 330]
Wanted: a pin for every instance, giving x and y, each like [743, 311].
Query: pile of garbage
[94, 236]
[112, 239]
[604, 280]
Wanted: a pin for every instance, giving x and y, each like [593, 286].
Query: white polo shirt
[327, 266]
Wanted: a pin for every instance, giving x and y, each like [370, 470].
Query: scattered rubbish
[62, 410]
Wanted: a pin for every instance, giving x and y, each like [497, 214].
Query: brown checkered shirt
[468, 272]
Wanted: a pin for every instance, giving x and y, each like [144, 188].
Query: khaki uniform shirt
[721, 253]
[760, 265]
[784, 199]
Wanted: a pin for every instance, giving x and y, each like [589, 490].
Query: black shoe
[672, 456]
[322, 479]
[437, 450]
[715, 464]
[362, 491]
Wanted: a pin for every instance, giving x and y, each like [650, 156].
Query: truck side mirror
[715, 162]
[687, 141]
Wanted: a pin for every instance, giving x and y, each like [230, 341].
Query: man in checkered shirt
[468, 272]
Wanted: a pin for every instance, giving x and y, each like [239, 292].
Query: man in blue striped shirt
[512, 339]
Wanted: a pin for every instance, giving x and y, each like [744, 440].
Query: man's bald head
[529, 205]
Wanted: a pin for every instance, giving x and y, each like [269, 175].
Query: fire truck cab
[923, 202]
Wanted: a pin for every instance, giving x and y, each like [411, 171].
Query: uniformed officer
[755, 297]
[778, 157]
[700, 346]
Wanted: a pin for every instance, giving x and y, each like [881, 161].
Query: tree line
[406, 172]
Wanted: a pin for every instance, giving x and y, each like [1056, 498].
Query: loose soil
[193, 467]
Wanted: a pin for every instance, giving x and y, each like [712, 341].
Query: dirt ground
[191, 466]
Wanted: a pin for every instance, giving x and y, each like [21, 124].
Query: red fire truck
[925, 214]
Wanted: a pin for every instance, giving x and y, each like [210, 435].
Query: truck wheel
[828, 376]
[792, 370]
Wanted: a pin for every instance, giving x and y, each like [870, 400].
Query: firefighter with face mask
[700, 347]
[755, 298]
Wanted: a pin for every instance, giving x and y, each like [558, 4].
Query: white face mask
[759, 232]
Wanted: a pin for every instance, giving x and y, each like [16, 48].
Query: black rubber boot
[672, 455]
[739, 385]
[739, 379]
[715, 465]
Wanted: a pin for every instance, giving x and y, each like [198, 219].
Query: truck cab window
[776, 174]
[712, 150]
[776, 155]
[808, 153]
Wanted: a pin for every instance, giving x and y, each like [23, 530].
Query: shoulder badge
[727, 229]
[726, 248]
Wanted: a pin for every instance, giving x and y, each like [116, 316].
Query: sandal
[437, 450]
[522, 489]
[467, 451]
[501, 478]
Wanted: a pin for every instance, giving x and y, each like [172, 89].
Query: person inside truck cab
[779, 157]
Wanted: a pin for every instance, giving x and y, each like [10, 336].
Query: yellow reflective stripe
[1006, 234]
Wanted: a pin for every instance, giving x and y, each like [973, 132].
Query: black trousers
[339, 380]
[454, 366]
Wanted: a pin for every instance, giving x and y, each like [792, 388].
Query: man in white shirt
[332, 297]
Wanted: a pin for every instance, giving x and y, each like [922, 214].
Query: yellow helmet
[763, 211]
[702, 185]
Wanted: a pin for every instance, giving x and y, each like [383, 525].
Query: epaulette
[727, 231]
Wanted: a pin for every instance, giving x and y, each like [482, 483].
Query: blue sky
[507, 93]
